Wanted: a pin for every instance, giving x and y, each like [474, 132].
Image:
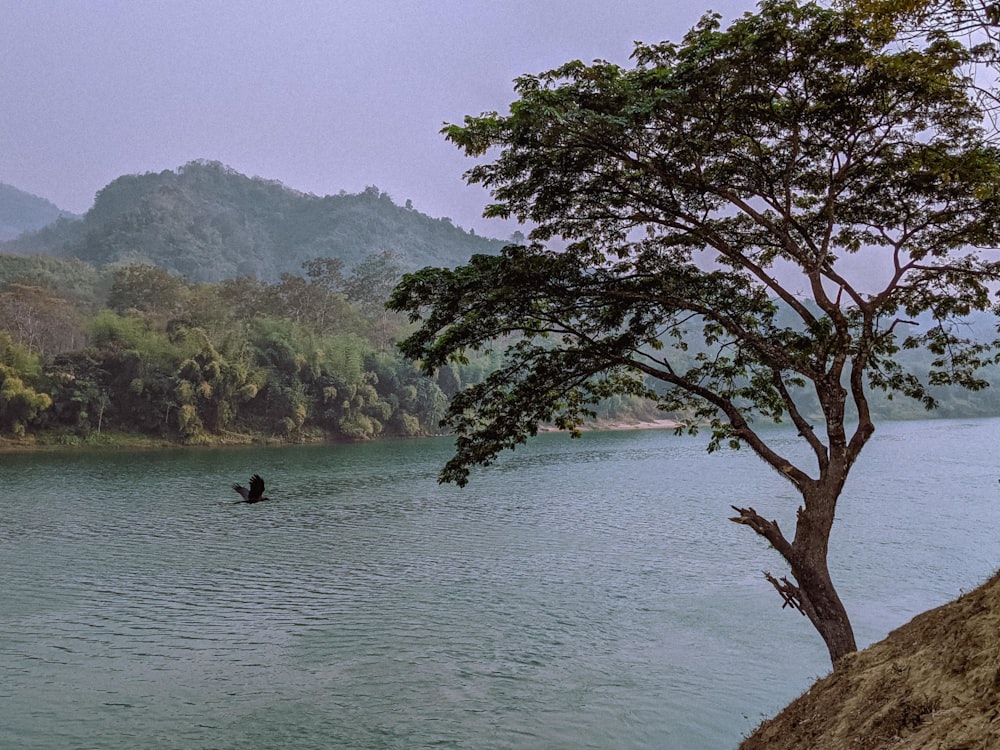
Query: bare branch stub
[789, 592]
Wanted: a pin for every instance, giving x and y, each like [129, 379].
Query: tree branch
[767, 529]
[805, 429]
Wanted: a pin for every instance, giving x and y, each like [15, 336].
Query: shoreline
[130, 441]
[656, 424]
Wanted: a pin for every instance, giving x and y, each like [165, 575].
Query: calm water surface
[580, 594]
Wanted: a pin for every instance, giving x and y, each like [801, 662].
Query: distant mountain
[208, 222]
[23, 212]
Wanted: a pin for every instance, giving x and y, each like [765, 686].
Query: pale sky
[322, 95]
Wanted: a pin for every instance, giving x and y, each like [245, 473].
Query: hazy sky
[323, 95]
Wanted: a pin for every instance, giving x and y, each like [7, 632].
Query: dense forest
[136, 349]
[94, 344]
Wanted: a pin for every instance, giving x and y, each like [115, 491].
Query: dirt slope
[933, 684]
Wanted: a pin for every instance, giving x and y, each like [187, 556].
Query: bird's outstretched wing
[256, 488]
[243, 491]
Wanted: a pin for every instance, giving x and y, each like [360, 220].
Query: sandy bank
[609, 425]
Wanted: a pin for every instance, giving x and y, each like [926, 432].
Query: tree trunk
[821, 604]
[813, 593]
[103, 402]
[807, 557]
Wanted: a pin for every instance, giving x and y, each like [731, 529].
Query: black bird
[253, 495]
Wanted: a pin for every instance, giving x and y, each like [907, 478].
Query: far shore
[118, 441]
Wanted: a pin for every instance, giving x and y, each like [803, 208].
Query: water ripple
[579, 594]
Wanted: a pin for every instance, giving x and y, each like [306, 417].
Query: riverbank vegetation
[136, 350]
[135, 355]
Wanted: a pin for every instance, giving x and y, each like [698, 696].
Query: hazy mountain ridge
[208, 222]
[21, 212]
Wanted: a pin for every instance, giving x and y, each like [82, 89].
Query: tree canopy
[749, 216]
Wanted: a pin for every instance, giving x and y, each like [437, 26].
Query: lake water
[580, 594]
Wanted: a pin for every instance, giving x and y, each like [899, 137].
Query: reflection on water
[580, 594]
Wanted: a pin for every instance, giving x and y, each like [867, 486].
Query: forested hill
[23, 212]
[208, 223]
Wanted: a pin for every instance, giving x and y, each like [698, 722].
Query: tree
[41, 319]
[147, 289]
[138, 365]
[724, 191]
[244, 297]
[327, 273]
[316, 301]
[80, 394]
[210, 387]
[370, 285]
[19, 402]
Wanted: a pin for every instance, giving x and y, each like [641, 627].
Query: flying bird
[253, 495]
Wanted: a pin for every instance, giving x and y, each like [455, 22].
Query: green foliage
[20, 402]
[146, 289]
[204, 362]
[79, 394]
[973, 24]
[111, 331]
[18, 358]
[418, 403]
